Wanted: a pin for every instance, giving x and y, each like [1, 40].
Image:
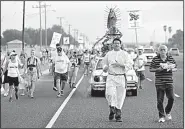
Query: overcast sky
[89, 17]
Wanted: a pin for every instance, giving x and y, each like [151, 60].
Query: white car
[150, 54]
[98, 79]
[174, 51]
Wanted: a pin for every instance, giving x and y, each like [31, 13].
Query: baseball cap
[13, 54]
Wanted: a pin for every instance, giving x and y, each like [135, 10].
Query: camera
[31, 68]
[59, 49]
[73, 64]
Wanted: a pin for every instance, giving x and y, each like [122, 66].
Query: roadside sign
[55, 39]
[134, 19]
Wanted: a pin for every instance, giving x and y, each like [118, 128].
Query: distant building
[15, 45]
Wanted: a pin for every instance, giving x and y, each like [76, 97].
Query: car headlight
[129, 78]
[149, 57]
[99, 79]
[96, 78]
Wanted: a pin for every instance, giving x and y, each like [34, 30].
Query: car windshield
[148, 51]
[174, 49]
[99, 65]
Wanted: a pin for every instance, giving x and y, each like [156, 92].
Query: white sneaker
[168, 116]
[161, 120]
[5, 94]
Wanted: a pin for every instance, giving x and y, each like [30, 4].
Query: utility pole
[60, 18]
[74, 36]
[23, 26]
[69, 28]
[45, 24]
[40, 23]
[136, 34]
[76, 31]
[69, 35]
[61, 28]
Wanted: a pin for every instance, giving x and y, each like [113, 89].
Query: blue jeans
[161, 90]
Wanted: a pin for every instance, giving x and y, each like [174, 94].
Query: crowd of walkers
[21, 73]
[65, 66]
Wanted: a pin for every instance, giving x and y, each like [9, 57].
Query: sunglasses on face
[162, 49]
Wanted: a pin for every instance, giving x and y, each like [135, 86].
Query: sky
[89, 17]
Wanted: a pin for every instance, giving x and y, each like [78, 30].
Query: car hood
[100, 72]
[150, 54]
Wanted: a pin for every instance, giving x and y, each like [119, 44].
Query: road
[84, 111]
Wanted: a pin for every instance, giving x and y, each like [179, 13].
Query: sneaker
[10, 99]
[59, 95]
[5, 94]
[16, 96]
[62, 92]
[168, 116]
[55, 89]
[70, 85]
[73, 85]
[31, 96]
[161, 120]
[112, 112]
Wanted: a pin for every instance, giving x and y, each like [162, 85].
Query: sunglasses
[162, 49]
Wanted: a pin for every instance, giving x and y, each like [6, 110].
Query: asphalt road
[84, 111]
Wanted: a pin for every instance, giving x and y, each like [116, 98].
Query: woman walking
[86, 60]
[33, 70]
[13, 74]
[22, 70]
[74, 70]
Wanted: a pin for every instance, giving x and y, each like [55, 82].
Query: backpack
[35, 61]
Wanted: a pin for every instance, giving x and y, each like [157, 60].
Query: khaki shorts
[32, 75]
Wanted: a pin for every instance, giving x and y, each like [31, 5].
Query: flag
[65, 40]
[55, 39]
[134, 18]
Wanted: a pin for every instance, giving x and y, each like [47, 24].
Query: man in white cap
[139, 65]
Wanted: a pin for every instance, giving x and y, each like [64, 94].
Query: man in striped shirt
[163, 81]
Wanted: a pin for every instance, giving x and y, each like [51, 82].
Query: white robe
[116, 85]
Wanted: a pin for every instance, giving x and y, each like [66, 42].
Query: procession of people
[19, 74]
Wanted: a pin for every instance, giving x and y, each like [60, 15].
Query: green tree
[176, 40]
[12, 34]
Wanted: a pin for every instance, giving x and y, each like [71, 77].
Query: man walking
[62, 67]
[139, 66]
[53, 55]
[116, 63]
[163, 66]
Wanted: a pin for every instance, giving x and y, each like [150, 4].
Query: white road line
[54, 118]
[149, 79]
[176, 95]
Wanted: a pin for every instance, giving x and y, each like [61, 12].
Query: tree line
[32, 36]
[177, 40]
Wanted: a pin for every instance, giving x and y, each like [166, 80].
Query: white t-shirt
[139, 61]
[12, 69]
[61, 64]
[86, 57]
